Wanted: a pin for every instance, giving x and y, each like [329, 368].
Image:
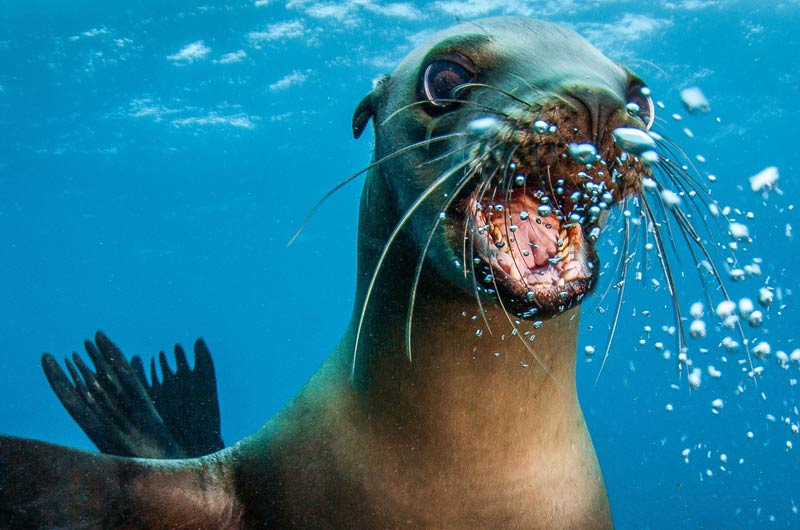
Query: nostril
[600, 105]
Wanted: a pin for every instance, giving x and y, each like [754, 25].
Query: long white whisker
[392, 237]
[621, 295]
[354, 176]
[418, 272]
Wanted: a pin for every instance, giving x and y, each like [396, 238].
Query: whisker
[619, 262]
[354, 176]
[447, 154]
[667, 270]
[421, 261]
[453, 100]
[663, 208]
[465, 238]
[553, 95]
[499, 90]
[475, 290]
[387, 246]
[688, 229]
[621, 296]
[520, 336]
[674, 149]
[676, 175]
[480, 192]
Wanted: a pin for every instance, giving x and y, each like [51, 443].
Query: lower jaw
[531, 301]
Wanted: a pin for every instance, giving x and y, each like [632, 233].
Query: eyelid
[442, 66]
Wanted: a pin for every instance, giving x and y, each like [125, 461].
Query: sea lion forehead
[511, 49]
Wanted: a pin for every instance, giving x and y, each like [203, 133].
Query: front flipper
[187, 399]
[125, 416]
[46, 487]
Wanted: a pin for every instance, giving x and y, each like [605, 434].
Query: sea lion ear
[366, 108]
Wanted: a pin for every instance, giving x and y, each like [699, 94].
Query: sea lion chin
[495, 163]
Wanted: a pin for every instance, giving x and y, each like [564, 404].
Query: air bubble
[762, 350]
[745, 307]
[486, 126]
[756, 319]
[670, 198]
[695, 378]
[694, 100]
[765, 296]
[697, 310]
[633, 140]
[697, 329]
[725, 309]
[738, 231]
[649, 157]
[584, 154]
[524, 216]
[541, 126]
[765, 179]
[530, 296]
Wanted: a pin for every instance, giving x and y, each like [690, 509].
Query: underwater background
[156, 157]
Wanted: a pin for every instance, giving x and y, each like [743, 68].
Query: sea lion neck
[458, 361]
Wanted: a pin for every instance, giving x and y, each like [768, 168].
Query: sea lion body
[477, 429]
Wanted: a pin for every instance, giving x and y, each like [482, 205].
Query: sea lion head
[497, 141]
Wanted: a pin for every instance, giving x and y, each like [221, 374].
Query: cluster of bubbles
[729, 331]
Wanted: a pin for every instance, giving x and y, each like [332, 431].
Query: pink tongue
[538, 241]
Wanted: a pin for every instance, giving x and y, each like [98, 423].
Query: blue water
[155, 159]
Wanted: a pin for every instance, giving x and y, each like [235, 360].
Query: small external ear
[366, 108]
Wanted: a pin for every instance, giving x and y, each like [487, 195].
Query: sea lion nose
[601, 104]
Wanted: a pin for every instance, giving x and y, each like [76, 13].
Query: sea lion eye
[640, 104]
[440, 79]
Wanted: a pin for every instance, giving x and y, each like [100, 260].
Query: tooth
[569, 275]
[561, 282]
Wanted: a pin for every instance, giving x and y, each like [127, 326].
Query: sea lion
[450, 401]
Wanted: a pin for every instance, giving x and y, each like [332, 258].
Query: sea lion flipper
[46, 486]
[111, 405]
[125, 415]
[187, 400]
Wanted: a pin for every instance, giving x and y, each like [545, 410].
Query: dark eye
[640, 104]
[439, 80]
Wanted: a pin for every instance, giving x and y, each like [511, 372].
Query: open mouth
[536, 261]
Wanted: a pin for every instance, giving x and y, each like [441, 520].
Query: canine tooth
[569, 275]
